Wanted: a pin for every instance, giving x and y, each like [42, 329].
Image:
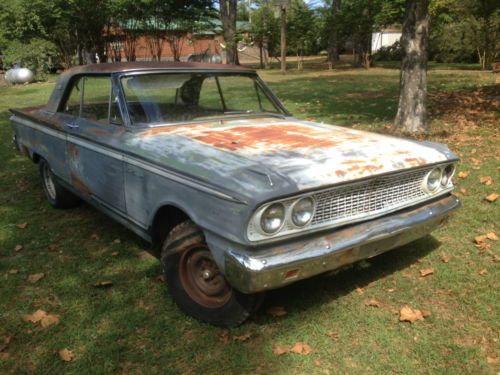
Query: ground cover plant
[104, 309]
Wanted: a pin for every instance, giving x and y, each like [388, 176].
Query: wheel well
[166, 218]
[36, 158]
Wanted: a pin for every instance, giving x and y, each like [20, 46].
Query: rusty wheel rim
[48, 182]
[201, 278]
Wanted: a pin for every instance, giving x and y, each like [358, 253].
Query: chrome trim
[253, 270]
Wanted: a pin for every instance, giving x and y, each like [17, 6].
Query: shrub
[37, 55]
[389, 53]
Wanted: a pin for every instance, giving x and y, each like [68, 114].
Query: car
[236, 196]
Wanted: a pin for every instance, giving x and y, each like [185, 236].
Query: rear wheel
[196, 283]
[57, 195]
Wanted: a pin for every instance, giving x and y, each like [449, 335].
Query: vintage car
[239, 196]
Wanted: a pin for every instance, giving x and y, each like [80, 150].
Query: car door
[95, 160]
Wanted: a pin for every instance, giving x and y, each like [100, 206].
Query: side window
[114, 111]
[72, 106]
[96, 95]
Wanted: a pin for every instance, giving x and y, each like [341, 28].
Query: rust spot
[340, 173]
[26, 151]
[279, 136]
[415, 162]
[100, 132]
[72, 151]
[79, 185]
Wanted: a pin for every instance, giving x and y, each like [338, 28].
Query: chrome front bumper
[251, 271]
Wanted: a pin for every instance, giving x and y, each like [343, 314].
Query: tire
[196, 284]
[58, 196]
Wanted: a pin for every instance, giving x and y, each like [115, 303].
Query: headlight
[272, 218]
[447, 174]
[433, 179]
[302, 211]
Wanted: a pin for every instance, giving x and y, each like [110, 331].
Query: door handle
[70, 125]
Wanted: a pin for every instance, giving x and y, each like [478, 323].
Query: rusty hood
[306, 155]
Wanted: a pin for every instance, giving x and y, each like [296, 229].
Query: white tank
[19, 75]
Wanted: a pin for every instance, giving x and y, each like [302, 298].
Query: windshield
[177, 97]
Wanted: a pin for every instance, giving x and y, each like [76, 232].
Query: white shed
[385, 38]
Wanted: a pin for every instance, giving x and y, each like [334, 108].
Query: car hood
[276, 152]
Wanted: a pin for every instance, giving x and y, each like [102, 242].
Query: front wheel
[57, 195]
[196, 283]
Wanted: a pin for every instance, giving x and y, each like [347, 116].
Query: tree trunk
[228, 19]
[412, 108]
[283, 39]
[333, 42]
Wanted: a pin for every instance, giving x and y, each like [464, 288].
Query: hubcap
[48, 182]
[201, 278]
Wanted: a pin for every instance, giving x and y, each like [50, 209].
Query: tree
[333, 40]
[412, 108]
[265, 31]
[300, 31]
[228, 11]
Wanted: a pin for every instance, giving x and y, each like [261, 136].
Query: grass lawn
[134, 326]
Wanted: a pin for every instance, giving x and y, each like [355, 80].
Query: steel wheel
[201, 278]
[50, 187]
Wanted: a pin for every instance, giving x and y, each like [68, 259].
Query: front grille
[369, 198]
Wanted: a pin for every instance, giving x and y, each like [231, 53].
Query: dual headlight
[298, 214]
[439, 177]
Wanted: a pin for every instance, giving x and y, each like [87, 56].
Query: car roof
[122, 67]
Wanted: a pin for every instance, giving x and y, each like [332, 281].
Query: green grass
[134, 326]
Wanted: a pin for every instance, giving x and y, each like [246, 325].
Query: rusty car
[236, 196]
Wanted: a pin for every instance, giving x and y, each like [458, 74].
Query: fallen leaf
[483, 271]
[224, 336]
[492, 236]
[278, 350]
[463, 191]
[4, 342]
[360, 291]
[145, 255]
[445, 259]
[463, 174]
[407, 314]
[161, 278]
[114, 253]
[372, 302]
[22, 226]
[243, 337]
[53, 247]
[36, 277]
[37, 316]
[492, 197]
[332, 334]
[426, 313]
[390, 290]
[486, 180]
[13, 271]
[94, 236]
[66, 355]
[103, 284]
[4, 356]
[301, 348]
[117, 241]
[18, 248]
[276, 311]
[479, 239]
[492, 360]
[49, 320]
[426, 272]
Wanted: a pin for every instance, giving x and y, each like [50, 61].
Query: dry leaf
[407, 314]
[301, 348]
[486, 180]
[445, 259]
[360, 291]
[483, 271]
[18, 248]
[276, 311]
[492, 236]
[492, 197]
[4, 356]
[49, 320]
[103, 284]
[224, 336]
[161, 278]
[22, 226]
[390, 290]
[426, 272]
[37, 316]
[332, 334]
[492, 360]
[66, 355]
[36, 277]
[372, 302]
[94, 236]
[479, 239]
[278, 350]
[114, 253]
[426, 313]
[117, 241]
[463, 174]
[243, 337]
[4, 342]
[145, 255]
[13, 271]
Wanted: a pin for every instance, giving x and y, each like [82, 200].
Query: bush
[37, 55]
[389, 53]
